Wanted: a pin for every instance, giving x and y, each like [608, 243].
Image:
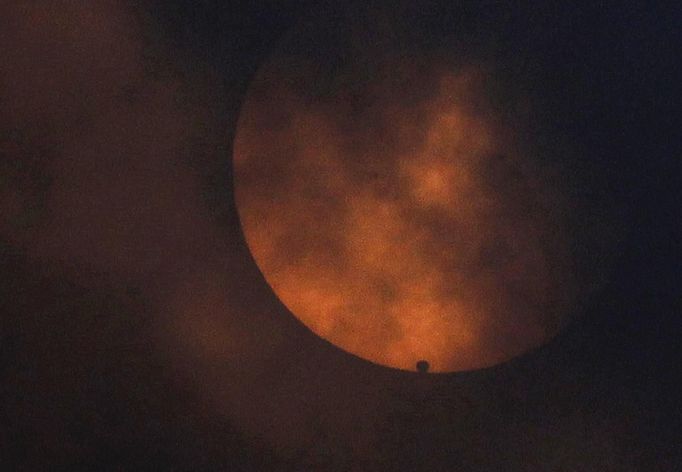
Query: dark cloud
[136, 331]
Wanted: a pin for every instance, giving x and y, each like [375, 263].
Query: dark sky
[137, 333]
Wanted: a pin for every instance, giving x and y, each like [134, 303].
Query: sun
[400, 211]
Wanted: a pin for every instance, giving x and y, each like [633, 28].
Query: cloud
[350, 204]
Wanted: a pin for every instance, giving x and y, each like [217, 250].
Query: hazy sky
[137, 332]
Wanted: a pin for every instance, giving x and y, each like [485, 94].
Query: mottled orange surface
[403, 219]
